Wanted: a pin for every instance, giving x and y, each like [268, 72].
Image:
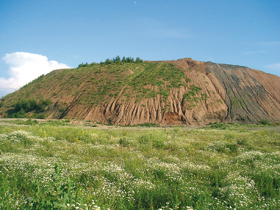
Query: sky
[39, 36]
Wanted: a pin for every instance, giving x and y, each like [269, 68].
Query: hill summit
[128, 92]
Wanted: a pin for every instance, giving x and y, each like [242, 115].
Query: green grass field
[60, 166]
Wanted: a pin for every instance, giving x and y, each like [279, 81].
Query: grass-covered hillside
[54, 165]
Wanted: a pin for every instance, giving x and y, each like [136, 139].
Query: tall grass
[45, 166]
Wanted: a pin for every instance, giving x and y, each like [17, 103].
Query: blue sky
[37, 36]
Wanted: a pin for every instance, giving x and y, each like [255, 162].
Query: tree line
[117, 60]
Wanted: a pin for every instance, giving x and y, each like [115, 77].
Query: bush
[264, 122]
[42, 116]
[20, 114]
[83, 65]
[216, 125]
[24, 106]
[2, 104]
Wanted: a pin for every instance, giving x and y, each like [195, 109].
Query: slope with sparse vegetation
[129, 91]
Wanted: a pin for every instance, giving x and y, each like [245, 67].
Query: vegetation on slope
[23, 106]
[93, 84]
[129, 91]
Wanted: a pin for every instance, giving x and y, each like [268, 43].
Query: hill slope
[165, 92]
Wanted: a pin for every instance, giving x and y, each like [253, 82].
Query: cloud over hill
[24, 67]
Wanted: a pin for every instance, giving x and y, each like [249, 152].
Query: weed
[48, 166]
[264, 122]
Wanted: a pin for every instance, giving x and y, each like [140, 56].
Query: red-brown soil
[234, 94]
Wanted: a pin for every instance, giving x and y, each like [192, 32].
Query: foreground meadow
[53, 166]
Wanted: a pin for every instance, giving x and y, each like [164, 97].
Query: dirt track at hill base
[10, 122]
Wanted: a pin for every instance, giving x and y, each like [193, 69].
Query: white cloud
[25, 67]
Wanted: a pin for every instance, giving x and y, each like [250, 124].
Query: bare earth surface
[227, 93]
